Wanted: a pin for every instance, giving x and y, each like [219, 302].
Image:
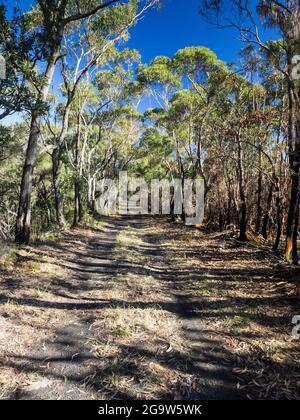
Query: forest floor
[142, 308]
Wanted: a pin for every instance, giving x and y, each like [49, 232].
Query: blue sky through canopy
[176, 24]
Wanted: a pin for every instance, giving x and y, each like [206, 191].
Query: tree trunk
[24, 211]
[266, 217]
[23, 222]
[291, 251]
[91, 195]
[182, 177]
[59, 208]
[78, 205]
[293, 43]
[259, 192]
[242, 196]
[278, 220]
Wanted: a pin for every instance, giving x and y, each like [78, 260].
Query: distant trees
[224, 127]
[91, 45]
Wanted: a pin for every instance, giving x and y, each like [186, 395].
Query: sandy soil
[140, 308]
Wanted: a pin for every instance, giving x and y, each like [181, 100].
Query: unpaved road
[143, 308]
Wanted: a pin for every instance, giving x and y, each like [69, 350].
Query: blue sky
[176, 24]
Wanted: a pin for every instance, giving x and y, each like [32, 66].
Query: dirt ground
[142, 308]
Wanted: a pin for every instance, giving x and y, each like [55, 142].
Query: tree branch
[85, 15]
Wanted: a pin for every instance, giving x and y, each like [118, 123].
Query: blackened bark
[242, 196]
[266, 217]
[278, 220]
[259, 194]
[291, 251]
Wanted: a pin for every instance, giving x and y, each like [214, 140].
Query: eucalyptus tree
[161, 80]
[219, 124]
[18, 50]
[154, 156]
[51, 21]
[285, 17]
[90, 47]
[270, 141]
[205, 74]
[12, 142]
[94, 115]
[104, 115]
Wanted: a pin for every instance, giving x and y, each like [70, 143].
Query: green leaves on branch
[160, 71]
[195, 62]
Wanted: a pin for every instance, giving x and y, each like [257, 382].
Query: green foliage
[115, 21]
[12, 142]
[152, 152]
[160, 71]
[194, 61]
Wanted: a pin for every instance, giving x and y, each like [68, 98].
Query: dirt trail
[140, 308]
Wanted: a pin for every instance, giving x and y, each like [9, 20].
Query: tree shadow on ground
[210, 369]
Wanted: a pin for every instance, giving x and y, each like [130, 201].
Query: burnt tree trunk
[266, 217]
[242, 195]
[291, 251]
[259, 194]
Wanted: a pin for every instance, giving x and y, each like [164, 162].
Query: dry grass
[252, 312]
[133, 326]
[126, 336]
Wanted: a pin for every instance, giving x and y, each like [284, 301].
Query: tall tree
[54, 18]
[285, 17]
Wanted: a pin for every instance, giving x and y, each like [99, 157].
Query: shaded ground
[143, 308]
